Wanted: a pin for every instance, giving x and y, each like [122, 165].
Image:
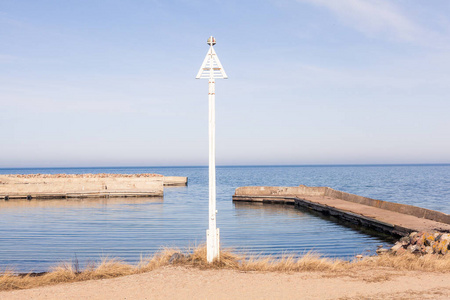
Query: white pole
[212, 235]
[212, 68]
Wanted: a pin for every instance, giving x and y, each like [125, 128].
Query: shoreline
[179, 282]
[196, 259]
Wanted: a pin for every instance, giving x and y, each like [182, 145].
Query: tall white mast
[212, 69]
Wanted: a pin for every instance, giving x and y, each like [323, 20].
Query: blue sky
[111, 83]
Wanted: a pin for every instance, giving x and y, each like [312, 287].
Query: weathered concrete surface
[81, 185]
[394, 218]
[175, 181]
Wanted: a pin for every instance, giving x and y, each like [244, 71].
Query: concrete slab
[394, 218]
[80, 185]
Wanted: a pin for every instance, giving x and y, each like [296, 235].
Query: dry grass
[407, 262]
[196, 257]
[64, 273]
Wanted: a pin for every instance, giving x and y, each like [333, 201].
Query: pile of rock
[423, 243]
[100, 175]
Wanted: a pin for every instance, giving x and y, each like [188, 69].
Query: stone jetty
[423, 243]
[85, 185]
[393, 218]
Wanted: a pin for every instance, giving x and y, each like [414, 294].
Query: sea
[40, 234]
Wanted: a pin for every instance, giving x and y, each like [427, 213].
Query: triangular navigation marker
[211, 66]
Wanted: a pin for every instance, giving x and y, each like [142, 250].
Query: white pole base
[212, 246]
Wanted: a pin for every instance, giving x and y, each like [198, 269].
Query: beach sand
[191, 283]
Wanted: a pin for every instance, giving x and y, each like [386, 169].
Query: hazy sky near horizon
[111, 83]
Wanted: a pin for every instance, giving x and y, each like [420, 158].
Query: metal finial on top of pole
[212, 69]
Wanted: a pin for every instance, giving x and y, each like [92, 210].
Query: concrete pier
[389, 217]
[85, 185]
[175, 181]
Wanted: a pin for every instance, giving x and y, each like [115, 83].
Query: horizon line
[228, 166]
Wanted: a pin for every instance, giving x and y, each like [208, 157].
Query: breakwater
[85, 185]
[393, 218]
[423, 243]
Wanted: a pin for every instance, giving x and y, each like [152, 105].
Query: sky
[112, 83]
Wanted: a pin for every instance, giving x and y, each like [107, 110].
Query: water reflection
[244, 209]
[35, 235]
[74, 202]
[250, 209]
[276, 229]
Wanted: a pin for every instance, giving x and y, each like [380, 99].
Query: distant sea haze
[36, 235]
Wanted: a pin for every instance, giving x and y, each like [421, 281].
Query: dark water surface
[38, 234]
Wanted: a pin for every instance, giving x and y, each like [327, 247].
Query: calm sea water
[36, 235]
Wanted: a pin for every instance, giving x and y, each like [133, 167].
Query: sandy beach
[176, 282]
